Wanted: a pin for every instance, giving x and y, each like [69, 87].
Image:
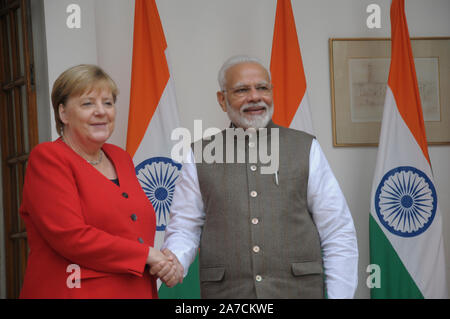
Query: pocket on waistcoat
[306, 268]
[212, 274]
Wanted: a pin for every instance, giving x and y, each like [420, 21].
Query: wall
[68, 47]
[201, 34]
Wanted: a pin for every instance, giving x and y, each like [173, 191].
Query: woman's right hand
[161, 265]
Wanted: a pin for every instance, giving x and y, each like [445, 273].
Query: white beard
[256, 121]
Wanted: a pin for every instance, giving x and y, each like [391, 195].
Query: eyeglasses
[245, 90]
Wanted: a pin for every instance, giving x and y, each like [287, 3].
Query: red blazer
[75, 215]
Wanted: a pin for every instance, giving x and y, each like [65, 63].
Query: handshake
[166, 266]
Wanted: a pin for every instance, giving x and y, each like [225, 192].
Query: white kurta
[325, 202]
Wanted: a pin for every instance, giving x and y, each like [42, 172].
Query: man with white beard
[284, 235]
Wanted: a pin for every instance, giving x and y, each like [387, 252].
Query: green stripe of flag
[396, 282]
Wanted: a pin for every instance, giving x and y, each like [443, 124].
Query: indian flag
[152, 117]
[288, 76]
[405, 222]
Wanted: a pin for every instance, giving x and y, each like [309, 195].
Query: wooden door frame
[11, 79]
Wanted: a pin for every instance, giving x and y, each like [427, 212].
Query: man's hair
[234, 60]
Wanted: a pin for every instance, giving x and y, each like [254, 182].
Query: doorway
[18, 129]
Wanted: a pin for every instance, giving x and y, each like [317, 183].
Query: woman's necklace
[97, 161]
[89, 161]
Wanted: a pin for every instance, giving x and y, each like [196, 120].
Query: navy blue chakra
[157, 176]
[406, 201]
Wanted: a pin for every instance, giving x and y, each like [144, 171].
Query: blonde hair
[76, 81]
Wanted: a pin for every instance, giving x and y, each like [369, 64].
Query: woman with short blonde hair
[83, 206]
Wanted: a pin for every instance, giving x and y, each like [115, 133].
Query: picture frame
[359, 70]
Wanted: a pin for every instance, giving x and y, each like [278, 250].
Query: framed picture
[359, 70]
